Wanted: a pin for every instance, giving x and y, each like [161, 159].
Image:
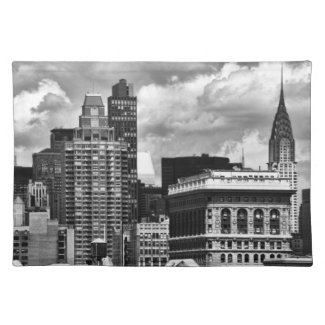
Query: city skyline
[183, 108]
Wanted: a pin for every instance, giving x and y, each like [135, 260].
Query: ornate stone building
[230, 218]
[282, 155]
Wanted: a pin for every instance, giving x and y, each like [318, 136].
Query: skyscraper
[95, 180]
[47, 169]
[305, 222]
[122, 116]
[22, 175]
[282, 154]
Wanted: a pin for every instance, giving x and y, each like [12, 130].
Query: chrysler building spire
[281, 102]
[281, 143]
[282, 153]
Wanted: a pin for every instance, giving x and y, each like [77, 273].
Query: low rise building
[143, 244]
[230, 218]
[149, 244]
[43, 242]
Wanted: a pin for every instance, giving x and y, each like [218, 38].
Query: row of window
[243, 258]
[153, 251]
[240, 245]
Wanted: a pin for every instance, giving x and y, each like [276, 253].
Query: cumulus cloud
[183, 108]
[36, 112]
[254, 147]
[26, 104]
[223, 112]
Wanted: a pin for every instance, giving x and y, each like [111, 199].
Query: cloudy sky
[183, 108]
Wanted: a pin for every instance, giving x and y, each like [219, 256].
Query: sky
[184, 109]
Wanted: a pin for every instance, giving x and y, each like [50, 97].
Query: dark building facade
[149, 204]
[22, 175]
[305, 223]
[122, 116]
[174, 168]
[47, 169]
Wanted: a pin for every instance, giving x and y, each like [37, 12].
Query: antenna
[243, 158]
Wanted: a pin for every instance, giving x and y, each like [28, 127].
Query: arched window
[242, 221]
[258, 221]
[255, 258]
[262, 258]
[225, 221]
[279, 256]
[229, 258]
[246, 258]
[210, 258]
[272, 256]
[239, 258]
[274, 222]
[223, 258]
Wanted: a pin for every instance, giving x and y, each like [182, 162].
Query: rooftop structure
[231, 180]
[174, 168]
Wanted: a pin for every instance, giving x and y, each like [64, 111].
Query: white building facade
[223, 218]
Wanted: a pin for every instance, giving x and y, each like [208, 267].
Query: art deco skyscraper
[122, 116]
[282, 154]
[95, 180]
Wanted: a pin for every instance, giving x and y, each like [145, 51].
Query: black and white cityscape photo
[162, 164]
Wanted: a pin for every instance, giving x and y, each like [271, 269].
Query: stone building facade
[230, 218]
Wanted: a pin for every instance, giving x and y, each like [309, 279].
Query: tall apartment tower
[122, 116]
[95, 180]
[282, 155]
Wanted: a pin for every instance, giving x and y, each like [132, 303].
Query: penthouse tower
[95, 180]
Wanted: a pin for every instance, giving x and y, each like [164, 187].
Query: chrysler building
[282, 154]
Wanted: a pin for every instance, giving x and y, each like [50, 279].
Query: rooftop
[231, 180]
[93, 99]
